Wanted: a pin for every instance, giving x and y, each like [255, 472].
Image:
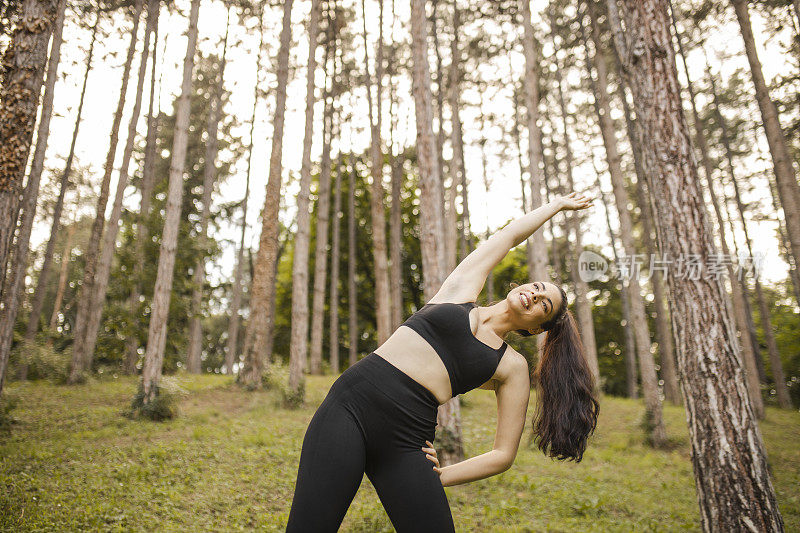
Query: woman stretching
[379, 416]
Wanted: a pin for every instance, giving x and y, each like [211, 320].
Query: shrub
[163, 407]
[276, 377]
[7, 404]
[44, 362]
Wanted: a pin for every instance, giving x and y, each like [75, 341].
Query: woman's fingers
[430, 453]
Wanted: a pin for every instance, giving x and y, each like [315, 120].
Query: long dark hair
[566, 406]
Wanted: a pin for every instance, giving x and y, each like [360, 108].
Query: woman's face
[534, 303]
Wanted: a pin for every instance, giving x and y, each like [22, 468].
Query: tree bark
[538, 254]
[377, 198]
[333, 336]
[15, 284]
[631, 381]
[101, 278]
[352, 302]
[262, 284]
[621, 199]
[784, 400]
[66, 257]
[193, 359]
[157, 334]
[489, 285]
[24, 62]
[298, 346]
[431, 214]
[457, 169]
[731, 475]
[663, 327]
[785, 175]
[232, 354]
[395, 215]
[80, 358]
[449, 191]
[323, 221]
[582, 304]
[739, 309]
[148, 184]
[44, 274]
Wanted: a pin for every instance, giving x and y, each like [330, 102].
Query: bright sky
[495, 208]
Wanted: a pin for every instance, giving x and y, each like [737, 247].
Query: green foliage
[164, 405]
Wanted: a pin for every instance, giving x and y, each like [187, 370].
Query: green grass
[229, 462]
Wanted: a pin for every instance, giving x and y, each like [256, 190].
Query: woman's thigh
[410, 491]
[331, 468]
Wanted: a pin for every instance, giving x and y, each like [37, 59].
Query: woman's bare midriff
[408, 351]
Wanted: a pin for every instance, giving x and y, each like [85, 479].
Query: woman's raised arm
[467, 279]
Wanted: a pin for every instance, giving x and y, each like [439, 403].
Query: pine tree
[727, 449]
[154, 355]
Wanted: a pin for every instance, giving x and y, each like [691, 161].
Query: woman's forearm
[478, 467]
[525, 226]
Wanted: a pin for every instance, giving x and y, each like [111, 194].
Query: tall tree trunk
[323, 221]
[663, 327]
[631, 382]
[555, 257]
[431, 213]
[537, 254]
[377, 198]
[333, 335]
[14, 288]
[449, 190]
[784, 241]
[489, 286]
[582, 304]
[24, 62]
[147, 187]
[395, 216]
[80, 359]
[157, 334]
[727, 450]
[270, 333]
[784, 400]
[263, 281]
[785, 175]
[232, 354]
[738, 304]
[101, 278]
[352, 303]
[621, 199]
[298, 345]
[66, 257]
[457, 169]
[44, 274]
[193, 358]
[536, 248]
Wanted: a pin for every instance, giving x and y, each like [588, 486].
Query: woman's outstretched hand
[430, 453]
[574, 201]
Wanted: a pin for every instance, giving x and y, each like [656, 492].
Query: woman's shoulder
[512, 365]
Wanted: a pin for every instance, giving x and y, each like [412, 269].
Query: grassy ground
[229, 463]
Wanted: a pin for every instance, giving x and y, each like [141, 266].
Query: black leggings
[375, 419]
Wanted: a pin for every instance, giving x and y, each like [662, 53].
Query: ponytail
[566, 407]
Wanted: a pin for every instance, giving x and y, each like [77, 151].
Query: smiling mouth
[525, 300]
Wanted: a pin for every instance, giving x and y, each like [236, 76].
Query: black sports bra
[445, 326]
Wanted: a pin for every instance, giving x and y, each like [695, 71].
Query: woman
[379, 416]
